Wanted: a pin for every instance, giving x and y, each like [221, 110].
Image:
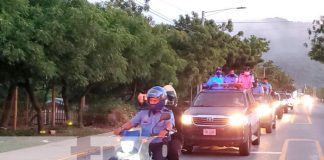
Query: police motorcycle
[134, 144]
[175, 144]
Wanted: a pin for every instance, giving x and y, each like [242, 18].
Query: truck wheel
[258, 134]
[269, 128]
[187, 149]
[274, 126]
[245, 147]
[280, 114]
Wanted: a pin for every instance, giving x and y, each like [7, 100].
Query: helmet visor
[153, 100]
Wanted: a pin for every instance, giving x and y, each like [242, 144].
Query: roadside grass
[104, 117]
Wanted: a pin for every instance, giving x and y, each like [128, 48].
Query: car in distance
[224, 117]
[284, 101]
[267, 111]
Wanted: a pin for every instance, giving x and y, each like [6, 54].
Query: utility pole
[203, 18]
[203, 13]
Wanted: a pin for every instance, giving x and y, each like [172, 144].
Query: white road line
[276, 153]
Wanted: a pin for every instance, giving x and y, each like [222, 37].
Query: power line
[151, 10]
[174, 6]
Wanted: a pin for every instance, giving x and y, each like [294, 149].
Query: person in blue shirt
[215, 81]
[149, 121]
[257, 87]
[267, 86]
[231, 77]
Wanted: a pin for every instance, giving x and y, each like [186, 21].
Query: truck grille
[209, 121]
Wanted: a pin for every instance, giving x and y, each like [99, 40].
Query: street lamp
[217, 11]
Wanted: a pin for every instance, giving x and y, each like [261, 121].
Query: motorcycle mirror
[165, 116]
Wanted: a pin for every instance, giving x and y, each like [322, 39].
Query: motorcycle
[134, 145]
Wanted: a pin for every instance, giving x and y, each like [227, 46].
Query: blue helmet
[157, 97]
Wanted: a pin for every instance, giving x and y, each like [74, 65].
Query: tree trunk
[82, 104]
[7, 107]
[80, 117]
[53, 115]
[30, 91]
[27, 110]
[65, 100]
[134, 91]
[15, 108]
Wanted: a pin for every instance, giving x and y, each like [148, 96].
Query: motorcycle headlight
[127, 146]
[276, 104]
[237, 120]
[263, 110]
[186, 119]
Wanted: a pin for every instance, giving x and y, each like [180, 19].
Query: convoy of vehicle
[222, 118]
[231, 117]
[267, 112]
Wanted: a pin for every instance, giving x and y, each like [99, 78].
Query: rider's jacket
[150, 122]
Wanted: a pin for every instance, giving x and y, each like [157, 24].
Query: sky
[293, 10]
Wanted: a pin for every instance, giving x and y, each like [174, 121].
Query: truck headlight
[237, 120]
[127, 146]
[263, 110]
[186, 119]
[283, 102]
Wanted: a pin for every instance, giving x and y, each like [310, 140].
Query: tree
[277, 77]
[317, 40]
[21, 51]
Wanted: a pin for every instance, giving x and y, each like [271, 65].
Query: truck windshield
[219, 99]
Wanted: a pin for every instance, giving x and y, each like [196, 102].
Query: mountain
[287, 48]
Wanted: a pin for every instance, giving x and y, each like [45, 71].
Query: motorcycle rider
[149, 120]
[142, 101]
[175, 145]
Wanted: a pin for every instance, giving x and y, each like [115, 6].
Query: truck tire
[280, 114]
[258, 134]
[269, 128]
[245, 147]
[187, 149]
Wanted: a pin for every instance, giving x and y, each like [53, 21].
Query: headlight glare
[263, 110]
[186, 119]
[237, 120]
[127, 146]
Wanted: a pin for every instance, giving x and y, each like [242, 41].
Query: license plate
[209, 132]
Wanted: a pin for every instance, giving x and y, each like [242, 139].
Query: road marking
[84, 153]
[265, 152]
[283, 155]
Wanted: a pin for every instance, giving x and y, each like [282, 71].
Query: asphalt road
[299, 136]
